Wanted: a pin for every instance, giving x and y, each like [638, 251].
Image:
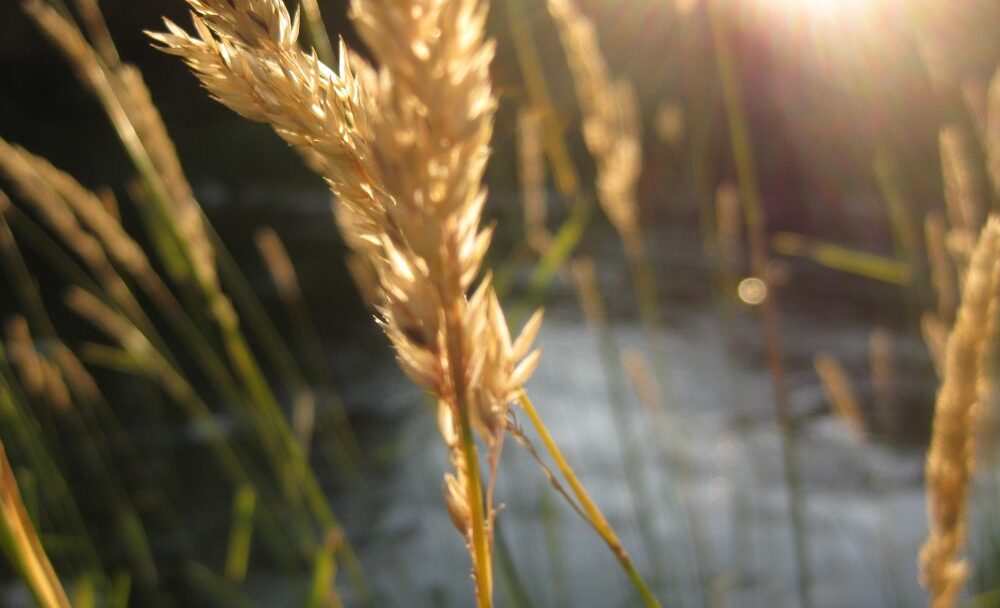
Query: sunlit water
[713, 490]
[706, 512]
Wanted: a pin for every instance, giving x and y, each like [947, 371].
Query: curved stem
[594, 515]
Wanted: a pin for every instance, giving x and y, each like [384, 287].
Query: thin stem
[594, 515]
[474, 490]
[317, 32]
[743, 157]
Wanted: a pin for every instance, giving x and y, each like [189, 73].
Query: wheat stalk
[950, 459]
[404, 150]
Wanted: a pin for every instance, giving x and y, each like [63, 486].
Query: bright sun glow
[837, 26]
[812, 9]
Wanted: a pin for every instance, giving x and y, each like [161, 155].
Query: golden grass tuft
[404, 152]
[950, 459]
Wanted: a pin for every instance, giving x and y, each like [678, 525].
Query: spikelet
[411, 202]
[76, 375]
[962, 196]
[987, 408]
[669, 123]
[18, 537]
[942, 270]
[138, 121]
[88, 207]
[531, 162]
[992, 129]
[950, 457]
[840, 394]
[403, 147]
[611, 126]
[279, 265]
[30, 175]
[25, 357]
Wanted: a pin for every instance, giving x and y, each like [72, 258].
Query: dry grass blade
[950, 459]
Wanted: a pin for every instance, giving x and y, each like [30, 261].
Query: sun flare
[821, 9]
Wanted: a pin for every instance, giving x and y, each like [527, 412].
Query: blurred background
[751, 408]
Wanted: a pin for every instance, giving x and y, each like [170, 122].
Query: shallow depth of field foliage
[499, 303]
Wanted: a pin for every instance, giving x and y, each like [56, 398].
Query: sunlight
[834, 28]
[820, 10]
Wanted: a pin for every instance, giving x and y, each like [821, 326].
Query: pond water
[697, 487]
[705, 508]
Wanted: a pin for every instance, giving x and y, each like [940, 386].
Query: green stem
[317, 32]
[594, 515]
[742, 149]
